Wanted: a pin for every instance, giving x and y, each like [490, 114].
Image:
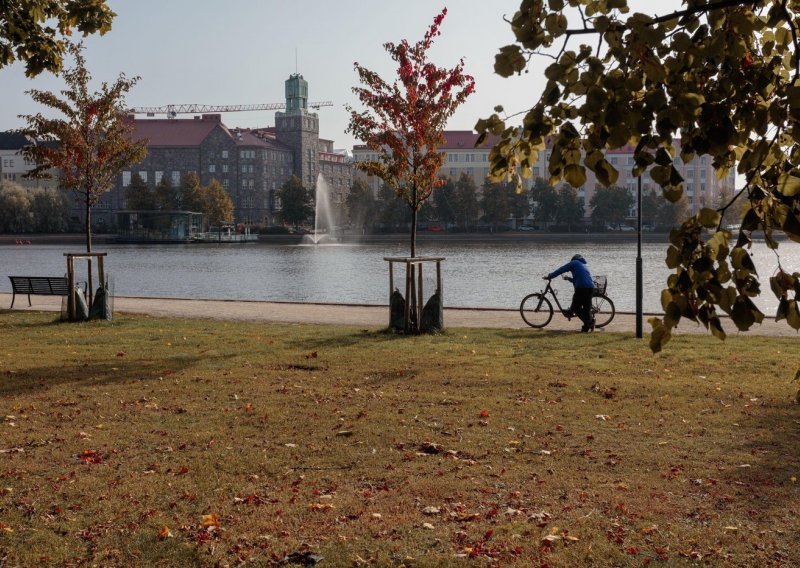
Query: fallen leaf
[210, 520]
[427, 526]
[165, 533]
[90, 456]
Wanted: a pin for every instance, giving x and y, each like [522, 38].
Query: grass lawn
[188, 442]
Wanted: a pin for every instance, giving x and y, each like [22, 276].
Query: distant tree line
[211, 200]
[32, 210]
[459, 204]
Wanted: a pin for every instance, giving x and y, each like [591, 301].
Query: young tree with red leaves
[93, 143]
[404, 120]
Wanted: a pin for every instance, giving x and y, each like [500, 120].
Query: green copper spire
[296, 93]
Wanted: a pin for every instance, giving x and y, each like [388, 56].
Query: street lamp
[639, 258]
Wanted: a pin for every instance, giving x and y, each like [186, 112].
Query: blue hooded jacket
[581, 277]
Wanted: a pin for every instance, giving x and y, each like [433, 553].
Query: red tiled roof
[464, 140]
[247, 138]
[457, 140]
[175, 131]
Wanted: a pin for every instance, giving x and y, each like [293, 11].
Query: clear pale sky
[242, 51]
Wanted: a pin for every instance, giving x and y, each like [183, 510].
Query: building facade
[701, 185]
[251, 164]
[13, 165]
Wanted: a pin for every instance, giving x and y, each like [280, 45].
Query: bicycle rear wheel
[602, 310]
[536, 310]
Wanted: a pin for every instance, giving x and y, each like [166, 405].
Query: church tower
[299, 129]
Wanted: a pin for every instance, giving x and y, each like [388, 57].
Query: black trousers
[582, 304]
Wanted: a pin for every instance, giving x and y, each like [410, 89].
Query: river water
[476, 274]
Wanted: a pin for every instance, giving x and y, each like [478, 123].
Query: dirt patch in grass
[169, 442]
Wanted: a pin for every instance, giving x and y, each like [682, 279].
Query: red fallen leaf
[632, 550]
[167, 373]
[248, 407]
[488, 534]
[484, 413]
[121, 354]
[183, 471]
[5, 528]
[90, 456]
[164, 533]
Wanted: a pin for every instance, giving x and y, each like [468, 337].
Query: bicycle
[537, 311]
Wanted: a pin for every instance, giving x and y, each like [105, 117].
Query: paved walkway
[358, 315]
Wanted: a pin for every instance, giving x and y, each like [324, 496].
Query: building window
[143, 175]
[225, 183]
[224, 168]
[224, 154]
[126, 179]
[176, 178]
[158, 177]
[212, 168]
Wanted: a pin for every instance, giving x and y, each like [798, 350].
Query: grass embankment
[168, 442]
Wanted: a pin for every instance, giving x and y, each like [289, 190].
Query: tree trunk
[414, 220]
[88, 228]
[413, 233]
[89, 249]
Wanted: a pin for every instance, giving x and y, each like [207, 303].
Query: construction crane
[174, 110]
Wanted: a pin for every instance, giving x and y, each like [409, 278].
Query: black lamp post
[639, 332]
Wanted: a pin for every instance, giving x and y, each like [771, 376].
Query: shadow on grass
[349, 339]
[96, 373]
[765, 479]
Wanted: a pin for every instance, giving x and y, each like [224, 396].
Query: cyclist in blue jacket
[584, 286]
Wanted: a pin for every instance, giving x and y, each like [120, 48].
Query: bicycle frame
[549, 288]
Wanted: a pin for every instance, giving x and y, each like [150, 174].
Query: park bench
[38, 286]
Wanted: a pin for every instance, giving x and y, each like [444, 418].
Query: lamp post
[639, 259]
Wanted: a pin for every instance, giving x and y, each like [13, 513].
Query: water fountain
[323, 216]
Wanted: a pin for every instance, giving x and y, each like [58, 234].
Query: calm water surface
[494, 274]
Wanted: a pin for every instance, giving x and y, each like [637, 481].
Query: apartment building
[701, 184]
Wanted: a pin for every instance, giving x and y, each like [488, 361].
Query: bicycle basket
[600, 283]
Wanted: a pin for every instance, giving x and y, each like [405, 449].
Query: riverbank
[422, 237]
[370, 316]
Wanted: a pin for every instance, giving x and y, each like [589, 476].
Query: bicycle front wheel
[602, 310]
[536, 310]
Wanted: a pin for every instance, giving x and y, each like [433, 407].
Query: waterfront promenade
[369, 316]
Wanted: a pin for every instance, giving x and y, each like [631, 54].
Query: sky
[240, 52]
